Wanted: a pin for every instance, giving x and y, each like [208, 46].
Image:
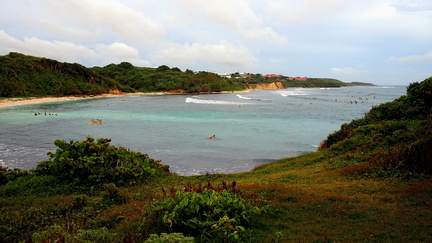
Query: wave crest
[212, 102]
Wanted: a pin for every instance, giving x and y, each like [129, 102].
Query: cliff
[273, 85]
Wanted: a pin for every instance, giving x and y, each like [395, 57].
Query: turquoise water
[251, 128]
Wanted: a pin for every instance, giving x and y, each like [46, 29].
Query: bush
[56, 233]
[7, 174]
[209, 216]
[34, 185]
[173, 237]
[97, 163]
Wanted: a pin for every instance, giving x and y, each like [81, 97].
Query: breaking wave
[243, 97]
[295, 92]
[212, 102]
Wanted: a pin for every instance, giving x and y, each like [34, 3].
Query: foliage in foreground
[209, 216]
[172, 237]
[95, 163]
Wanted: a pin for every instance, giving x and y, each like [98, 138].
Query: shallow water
[251, 128]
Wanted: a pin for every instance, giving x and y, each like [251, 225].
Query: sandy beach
[7, 102]
[34, 100]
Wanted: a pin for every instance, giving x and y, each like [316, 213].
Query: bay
[251, 128]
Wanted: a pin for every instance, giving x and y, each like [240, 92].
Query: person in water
[214, 136]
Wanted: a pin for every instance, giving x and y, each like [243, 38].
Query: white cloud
[384, 20]
[301, 11]
[119, 52]
[413, 5]
[223, 54]
[63, 51]
[414, 58]
[349, 74]
[70, 52]
[97, 19]
[236, 18]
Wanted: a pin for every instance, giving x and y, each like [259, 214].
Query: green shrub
[34, 185]
[53, 233]
[94, 235]
[173, 237]
[209, 216]
[56, 233]
[96, 163]
[7, 174]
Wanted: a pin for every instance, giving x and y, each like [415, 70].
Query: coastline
[9, 102]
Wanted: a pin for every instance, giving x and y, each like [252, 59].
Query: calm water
[251, 128]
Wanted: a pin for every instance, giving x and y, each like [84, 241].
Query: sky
[385, 42]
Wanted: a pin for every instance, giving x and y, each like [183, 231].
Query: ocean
[251, 128]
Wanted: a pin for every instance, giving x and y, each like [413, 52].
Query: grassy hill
[28, 76]
[369, 182]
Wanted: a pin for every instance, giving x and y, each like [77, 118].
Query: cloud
[300, 11]
[349, 74]
[231, 18]
[70, 52]
[65, 51]
[414, 58]
[224, 54]
[412, 6]
[103, 20]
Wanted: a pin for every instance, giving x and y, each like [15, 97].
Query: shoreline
[10, 102]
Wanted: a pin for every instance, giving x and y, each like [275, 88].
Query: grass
[309, 200]
[312, 203]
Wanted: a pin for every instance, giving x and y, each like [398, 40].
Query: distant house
[297, 78]
[273, 75]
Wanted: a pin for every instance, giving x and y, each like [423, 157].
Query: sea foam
[286, 93]
[212, 102]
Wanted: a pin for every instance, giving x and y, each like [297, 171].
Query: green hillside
[165, 78]
[28, 76]
[394, 138]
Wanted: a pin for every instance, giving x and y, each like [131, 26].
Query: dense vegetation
[164, 78]
[27, 76]
[96, 163]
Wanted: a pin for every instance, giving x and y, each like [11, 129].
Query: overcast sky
[378, 41]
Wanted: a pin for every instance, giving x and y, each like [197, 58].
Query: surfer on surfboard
[214, 136]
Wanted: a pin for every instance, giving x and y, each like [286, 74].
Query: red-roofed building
[273, 75]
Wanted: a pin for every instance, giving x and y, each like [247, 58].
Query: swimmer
[214, 136]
